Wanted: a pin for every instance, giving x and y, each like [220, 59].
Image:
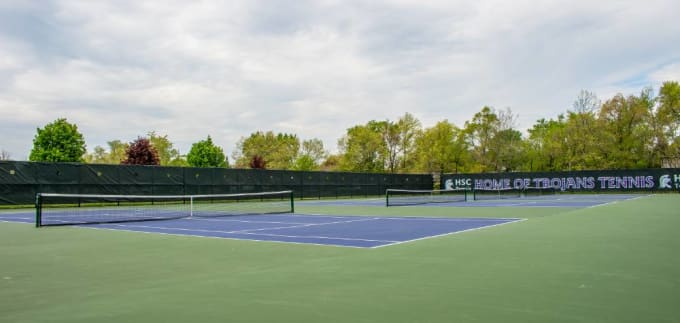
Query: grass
[612, 263]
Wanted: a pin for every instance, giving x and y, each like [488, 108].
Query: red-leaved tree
[141, 152]
[257, 162]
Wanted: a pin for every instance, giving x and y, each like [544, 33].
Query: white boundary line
[357, 218]
[314, 237]
[390, 242]
[227, 238]
[243, 232]
[304, 225]
[8, 221]
[450, 233]
[617, 201]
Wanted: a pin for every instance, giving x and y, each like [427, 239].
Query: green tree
[380, 146]
[205, 154]
[141, 152]
[311, 155]
[409, 129]
[669, 99]
[96, 157]
[278, 150]
[392, 137]
[58, 141]
[627, 136]
[667, 122]
[583, 139]
[441, 149]
[510, 150]
[582, 134]
[167, 154]
[480, 132]
[331, 163]
[507, 147]
[114, 155]
[305, 162]
[363, 148]
[545, 145]
[117, 150]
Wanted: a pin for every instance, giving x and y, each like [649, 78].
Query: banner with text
[665, 179]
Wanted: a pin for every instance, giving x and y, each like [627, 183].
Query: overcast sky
[188, 69]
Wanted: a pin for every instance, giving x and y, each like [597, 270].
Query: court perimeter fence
[600, 181]
[20, 181]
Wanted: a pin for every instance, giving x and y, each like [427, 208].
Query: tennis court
[347, 231]
[572, 258]
[353, 230]
[219, 220]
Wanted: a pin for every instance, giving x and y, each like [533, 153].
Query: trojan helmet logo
[448, 185]
[665, 181]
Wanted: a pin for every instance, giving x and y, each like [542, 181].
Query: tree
[667, 122]
[409, 129]
[278, 150]
[205, 154]
[257, 162]
[363, 148]
[586, 102]
[509, 148]
[141, 152]
[59, 141]
[545, 145]
[626, 135]
[669, 98]
[506, 144]
[305, 162]
[582, 134]
[167, 154]
[331, 163]
[440, 149]
[380, 146]
[4, 155]
[480, 132]
[311, 154]
[114, 155]
[392, 137]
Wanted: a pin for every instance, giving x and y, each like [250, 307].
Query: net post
[292, 204]
[38, 210]
[191, 207]
[387, 198]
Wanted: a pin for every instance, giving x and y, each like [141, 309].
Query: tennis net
[512, 193]
[497, 194]
[400, 197]
[72, 209]
[538, 191]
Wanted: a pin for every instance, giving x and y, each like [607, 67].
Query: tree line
[623, 132]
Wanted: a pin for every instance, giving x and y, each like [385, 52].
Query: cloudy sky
[188, 69]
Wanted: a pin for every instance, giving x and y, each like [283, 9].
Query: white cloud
[120, 69]
[670, 72]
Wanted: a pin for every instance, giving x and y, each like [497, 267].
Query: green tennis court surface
[615, 262]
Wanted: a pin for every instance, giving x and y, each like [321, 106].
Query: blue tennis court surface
[347, 231]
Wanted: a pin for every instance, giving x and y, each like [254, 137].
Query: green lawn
[612, 263]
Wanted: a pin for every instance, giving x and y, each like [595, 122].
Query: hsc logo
[451, 184]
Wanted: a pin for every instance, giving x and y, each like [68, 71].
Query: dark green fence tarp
[20, 181]
[17, 183]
